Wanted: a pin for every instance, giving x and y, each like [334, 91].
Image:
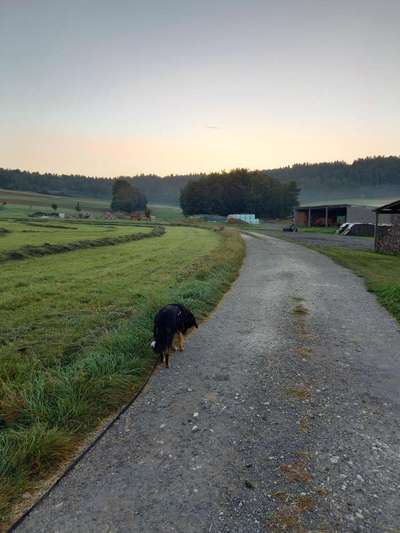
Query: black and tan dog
[171, 320]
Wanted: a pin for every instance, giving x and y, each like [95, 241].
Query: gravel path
[282, 415]
[328, 239]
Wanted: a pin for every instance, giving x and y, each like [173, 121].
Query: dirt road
[283, 412]
[326, 239]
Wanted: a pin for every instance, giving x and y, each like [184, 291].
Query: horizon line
[202, 172]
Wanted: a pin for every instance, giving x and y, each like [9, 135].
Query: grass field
[21, 204]
[21, 233]
[76, 344]
[381, 273]
[167, 213]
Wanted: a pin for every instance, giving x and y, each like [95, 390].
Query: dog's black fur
[171, 320]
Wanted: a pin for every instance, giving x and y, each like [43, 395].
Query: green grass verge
[381, 273]
[76, 346]
[328, 230]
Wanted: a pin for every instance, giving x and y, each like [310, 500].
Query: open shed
[333, 214]
[387, 238]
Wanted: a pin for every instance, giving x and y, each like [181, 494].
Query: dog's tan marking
[181, 340]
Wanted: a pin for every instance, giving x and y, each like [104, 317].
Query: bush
[126, 198]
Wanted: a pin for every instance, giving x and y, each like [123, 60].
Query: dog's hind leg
[166, 355]
[181, 339]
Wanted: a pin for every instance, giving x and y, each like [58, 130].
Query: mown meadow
[16, 235]
[75, 330]
[22, 204]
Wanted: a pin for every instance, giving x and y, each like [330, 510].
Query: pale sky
[111, 87]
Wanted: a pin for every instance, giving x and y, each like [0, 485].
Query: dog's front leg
[166, 359]
[181, 339]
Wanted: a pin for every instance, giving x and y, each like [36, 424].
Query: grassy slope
[20, 204]
[167, 213]
[381, 273]
[77, 343]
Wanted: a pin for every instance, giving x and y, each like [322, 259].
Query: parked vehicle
[343, 228]
[291, 228]
[357, 229]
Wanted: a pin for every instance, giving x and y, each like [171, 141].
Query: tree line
[59, 184]
[377, 171]
[239, 191]
[372, 172]
[158, 190]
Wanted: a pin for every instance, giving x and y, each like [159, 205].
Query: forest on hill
[156, 189]
[371, 176]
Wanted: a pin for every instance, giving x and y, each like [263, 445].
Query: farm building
[333, 215]
[387, 238]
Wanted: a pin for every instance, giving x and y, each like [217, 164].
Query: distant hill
[163, 190]
[157, 190]
[59, 184]
[372, 177]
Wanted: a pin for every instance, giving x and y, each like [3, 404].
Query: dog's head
[189, 319]
[192, 322]
[189, 324]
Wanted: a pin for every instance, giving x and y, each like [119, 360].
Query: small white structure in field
[244, 217]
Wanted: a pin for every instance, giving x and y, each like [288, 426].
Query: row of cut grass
[20, 234]
[28, 251]
[77, 344]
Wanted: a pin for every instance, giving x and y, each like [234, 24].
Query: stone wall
[388, 238]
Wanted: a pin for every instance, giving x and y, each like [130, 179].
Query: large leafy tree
[125, 197]
[239, 191]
